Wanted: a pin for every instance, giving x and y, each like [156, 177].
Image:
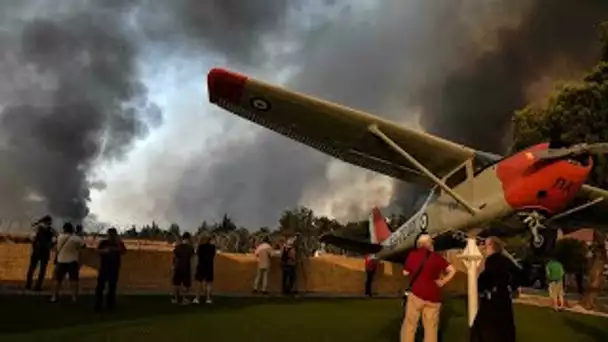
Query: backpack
[555, 271]
[285, 258]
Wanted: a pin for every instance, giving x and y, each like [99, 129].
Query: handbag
[59, 250]
[419, 330]
[414, 278]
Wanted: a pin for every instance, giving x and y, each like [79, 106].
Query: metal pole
[471, 257]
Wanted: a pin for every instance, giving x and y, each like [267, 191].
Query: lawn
[153, 318]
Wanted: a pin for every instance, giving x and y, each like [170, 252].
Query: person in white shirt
[263, 253]
[67, 256]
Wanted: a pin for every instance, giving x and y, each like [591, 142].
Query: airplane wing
[592, 192]
[593, 216]
[336, 130]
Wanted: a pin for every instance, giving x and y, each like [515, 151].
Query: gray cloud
[70, 97]
[466, 66]
[453, 62]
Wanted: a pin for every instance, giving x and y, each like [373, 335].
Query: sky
[105, 111]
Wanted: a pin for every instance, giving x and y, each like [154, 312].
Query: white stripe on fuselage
[411, 227]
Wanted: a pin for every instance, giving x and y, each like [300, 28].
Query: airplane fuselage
[514, 184]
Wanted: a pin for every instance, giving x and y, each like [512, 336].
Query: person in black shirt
[205, 251]
[41, 251]
[110, 252]
[182, 268]
[497, 283]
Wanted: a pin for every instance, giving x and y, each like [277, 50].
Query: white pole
[471, 257]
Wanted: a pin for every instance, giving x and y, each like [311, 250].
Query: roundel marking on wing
[260, 104]
[424, 222]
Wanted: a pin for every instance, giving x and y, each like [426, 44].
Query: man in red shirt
[425, 295]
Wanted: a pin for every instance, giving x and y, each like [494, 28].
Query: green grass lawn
[153, 318]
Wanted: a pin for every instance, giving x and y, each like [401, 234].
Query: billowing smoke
[70, 97]
[460, 68]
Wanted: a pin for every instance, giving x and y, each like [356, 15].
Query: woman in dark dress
[496, 283]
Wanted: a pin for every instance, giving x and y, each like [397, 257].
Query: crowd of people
[68, 245]
[428, 271]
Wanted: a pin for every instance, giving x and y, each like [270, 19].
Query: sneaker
[185, 301]
[195, 301]
[209, 301]
[173, 300]
[53, 299]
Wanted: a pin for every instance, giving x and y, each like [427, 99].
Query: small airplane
[472, 192]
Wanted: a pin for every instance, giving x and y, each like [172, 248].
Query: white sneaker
[195, 301]
[185, 301]
[209, 301]
[173, 301]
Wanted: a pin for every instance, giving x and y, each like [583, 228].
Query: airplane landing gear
[533, 220]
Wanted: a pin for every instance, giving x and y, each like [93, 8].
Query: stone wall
[150, 270]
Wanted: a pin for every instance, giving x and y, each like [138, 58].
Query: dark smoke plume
[474, 104]
[464, 68]
[72, 98]
[555, 39]
[75, 99]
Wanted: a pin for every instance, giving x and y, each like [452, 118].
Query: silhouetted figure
[205, 269]
[288, 266]
[110, 253]
[370, 270]
[496, 283]
[41, 252]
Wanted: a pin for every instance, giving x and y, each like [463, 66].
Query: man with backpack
[288, 266]
[555, 277]
[42, 244]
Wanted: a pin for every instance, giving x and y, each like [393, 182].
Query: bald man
[432, 272]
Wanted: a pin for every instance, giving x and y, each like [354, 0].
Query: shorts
[204, 273]
[71, 269]
[182, 277]
[556, 289]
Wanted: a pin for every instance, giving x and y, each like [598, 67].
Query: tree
[324, 225]
[571, 253]
[596, 270]
[579, 112]
[298, 220]
[203, 228]
[226, 225]
[174, 233]
[132, 232]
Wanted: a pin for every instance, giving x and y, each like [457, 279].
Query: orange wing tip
[225, 84]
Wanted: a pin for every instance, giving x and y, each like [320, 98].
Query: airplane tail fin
[378, 228]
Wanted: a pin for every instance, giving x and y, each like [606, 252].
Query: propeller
[571, 151]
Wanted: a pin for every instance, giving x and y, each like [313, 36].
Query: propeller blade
[554, 153]
[574, 150]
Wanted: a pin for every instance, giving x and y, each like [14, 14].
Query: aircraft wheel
[538, 241]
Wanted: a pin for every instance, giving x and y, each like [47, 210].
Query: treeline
[300, 220]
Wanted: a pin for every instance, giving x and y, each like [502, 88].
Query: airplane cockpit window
[457, 177]
[483, 160]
